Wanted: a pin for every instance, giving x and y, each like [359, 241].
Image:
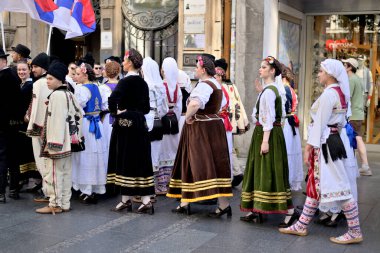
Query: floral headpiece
[219, 71]
[269, 60]
[127, 54]
[83, 68]
[200, 60]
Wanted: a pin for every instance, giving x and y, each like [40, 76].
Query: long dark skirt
[266, 186]
[28, 168]
[202, 166]
[130, 169]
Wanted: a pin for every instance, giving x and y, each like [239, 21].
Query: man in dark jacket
[9, 122]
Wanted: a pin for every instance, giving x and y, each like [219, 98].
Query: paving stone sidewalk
[96, 229]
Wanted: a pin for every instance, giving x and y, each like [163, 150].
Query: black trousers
[8, 160]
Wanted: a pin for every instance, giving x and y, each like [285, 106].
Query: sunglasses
[98, 68]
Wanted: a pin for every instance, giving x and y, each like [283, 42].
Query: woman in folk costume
[170, 140]
[90, 166]
[184, 83]
[62, 126]
[112, 70]
[266, 188]
[202, 168]
[237, 116]
[328, 185]
[224, 112]
[291, 132]
[28, 167]
[158, 108]
[130, 163]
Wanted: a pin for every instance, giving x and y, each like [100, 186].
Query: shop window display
[352, 36]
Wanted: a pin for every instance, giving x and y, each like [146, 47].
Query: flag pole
[2, 30]
[49, 38]
[48, 42]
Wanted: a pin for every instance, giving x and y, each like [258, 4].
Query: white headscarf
[184, 80]
[151, 72]
[281, 90]
[169, 65]
[336, 69]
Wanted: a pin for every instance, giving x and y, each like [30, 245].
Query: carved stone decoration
[106, 4]
[162, 34]
[149, 19]
[9, 33]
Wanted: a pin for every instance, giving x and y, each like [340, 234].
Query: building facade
[300, 33]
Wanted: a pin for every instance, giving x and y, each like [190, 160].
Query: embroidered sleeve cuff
[55, 146]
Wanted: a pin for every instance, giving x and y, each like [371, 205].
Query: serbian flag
[42, 10]
[74, 16]
[82, 19]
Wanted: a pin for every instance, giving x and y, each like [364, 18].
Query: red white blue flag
[74, 16]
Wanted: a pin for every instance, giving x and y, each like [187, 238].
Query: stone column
[31, 33]
[249, 52]
[111, 15]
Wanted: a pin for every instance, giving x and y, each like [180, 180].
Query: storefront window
[352, 36]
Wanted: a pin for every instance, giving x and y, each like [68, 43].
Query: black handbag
[170, 123]
[157, 132]
[78, 146]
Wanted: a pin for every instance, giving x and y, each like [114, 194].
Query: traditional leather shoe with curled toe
[221, 212]
[49, 210]
[123, 205]
[293, 217]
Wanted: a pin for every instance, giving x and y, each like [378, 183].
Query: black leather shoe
[148, 208]
[237, 180]
[334, 223]
[36, 188]
[221, 212]
[125, 205]
[295, 216]
[13, 194]
[182, 209]
[253, 217]
[2, 198]
[322, 221]
[90, 199]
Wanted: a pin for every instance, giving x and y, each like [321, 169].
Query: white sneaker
[365, 171]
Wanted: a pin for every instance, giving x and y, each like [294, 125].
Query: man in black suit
[9, 122]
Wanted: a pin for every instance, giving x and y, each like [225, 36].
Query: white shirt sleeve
[201, 93]
[324, 112]
[105, 93]
[267, 110]
[83, 95]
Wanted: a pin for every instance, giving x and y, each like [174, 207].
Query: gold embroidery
[125, 122]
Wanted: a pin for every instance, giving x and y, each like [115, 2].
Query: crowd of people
[132, 129]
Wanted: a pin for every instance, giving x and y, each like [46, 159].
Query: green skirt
[266, 186]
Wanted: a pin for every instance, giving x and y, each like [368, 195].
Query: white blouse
[267, 110]
[203, 91]
[327, 110]
[83, 95]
